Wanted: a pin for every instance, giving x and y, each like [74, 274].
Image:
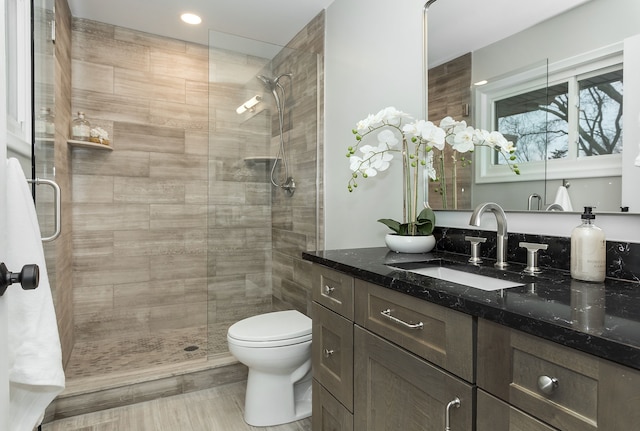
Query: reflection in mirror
[569, 132]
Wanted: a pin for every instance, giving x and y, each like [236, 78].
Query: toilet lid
[279, 325]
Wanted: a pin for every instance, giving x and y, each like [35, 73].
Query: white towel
[35, 359]
[562, 199]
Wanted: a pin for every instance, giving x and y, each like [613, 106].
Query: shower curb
[91, 395]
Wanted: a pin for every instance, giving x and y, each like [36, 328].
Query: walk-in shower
[279, 94]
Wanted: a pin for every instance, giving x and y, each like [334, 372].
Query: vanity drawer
[435, 333]
[496, 415]
[588, 393]
[333, 289]
[332, 353]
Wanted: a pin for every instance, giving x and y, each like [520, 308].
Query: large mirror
[545, 71]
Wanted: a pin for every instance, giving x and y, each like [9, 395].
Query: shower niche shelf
[260, 160]
[93, 145]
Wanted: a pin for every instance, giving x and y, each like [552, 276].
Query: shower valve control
[29, 277]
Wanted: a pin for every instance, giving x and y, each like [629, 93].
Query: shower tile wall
[139, 211]
[174, 216]
[297, 220]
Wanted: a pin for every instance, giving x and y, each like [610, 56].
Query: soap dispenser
[588, 249]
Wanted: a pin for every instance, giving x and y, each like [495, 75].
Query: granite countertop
[602, 319]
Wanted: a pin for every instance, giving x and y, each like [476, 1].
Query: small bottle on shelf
[44, 124]
[80, 128]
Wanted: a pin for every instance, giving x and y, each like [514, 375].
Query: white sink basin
[465, 278]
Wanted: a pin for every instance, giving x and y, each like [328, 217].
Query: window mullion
[573, 118]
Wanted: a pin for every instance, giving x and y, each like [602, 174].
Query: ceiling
[465, 25]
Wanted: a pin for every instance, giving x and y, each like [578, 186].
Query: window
[18, 72]
[565, 119]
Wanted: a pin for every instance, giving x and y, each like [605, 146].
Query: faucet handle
[532, 256]
[475, 248]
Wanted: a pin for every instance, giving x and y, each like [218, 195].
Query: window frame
[19, 126]
[540, 75]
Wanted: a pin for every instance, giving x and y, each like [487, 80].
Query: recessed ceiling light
[479, 83]
[191, 18]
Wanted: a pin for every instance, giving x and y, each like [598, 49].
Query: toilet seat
[279, 328]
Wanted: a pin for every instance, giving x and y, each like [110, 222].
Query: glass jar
[45, 126]
[80, 128]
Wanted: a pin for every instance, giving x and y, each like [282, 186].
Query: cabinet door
[496, 415]
[328, 413]
[396, 390]
[332, 353]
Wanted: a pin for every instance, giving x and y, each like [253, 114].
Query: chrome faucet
[501, 220]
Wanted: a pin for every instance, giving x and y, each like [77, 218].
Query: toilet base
[272, 400]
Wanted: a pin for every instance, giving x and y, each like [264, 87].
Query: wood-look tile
[92, 189]
[114, 163]
[113, 107]
[196, 142]
[147, 190]
[92, 77]
[148, 85]
[92, 243]
[95, 28]
[240, 216]
[106, 217]
[197, 93]
[172, 114]
[155, 242]
[218, 408]
[89, 299]
[148, 294]
[148, 138]
[178, 267]
[94, 48]
[195, 192]
[190, 67]
[149, 40]
[189, 167]
[98, 271]
[185, 216]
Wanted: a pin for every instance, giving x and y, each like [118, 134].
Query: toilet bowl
[276, 347]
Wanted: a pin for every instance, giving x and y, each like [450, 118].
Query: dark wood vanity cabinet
[387, 361]
[397, 368]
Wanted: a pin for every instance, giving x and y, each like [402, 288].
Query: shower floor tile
[141, 352]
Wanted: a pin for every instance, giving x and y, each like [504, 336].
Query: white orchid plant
[418, 140]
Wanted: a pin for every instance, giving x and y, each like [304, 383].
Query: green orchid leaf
[391, 224]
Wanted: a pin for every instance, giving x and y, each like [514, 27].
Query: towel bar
[56, 203]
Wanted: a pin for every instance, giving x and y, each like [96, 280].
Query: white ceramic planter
[410, 244]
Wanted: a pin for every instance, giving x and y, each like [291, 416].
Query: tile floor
[216, 409]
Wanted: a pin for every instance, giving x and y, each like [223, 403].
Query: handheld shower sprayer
[279, 95]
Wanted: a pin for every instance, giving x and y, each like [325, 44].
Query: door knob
[29, 277]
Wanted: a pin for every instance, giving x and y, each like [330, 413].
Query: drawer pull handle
[547, 385]
[328, 352]
[455, 403]
[328, 290]
[387, 313]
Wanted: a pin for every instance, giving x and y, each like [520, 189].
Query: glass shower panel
[44, 127]
[257, 230]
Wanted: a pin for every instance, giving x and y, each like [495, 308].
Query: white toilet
[276, 347]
